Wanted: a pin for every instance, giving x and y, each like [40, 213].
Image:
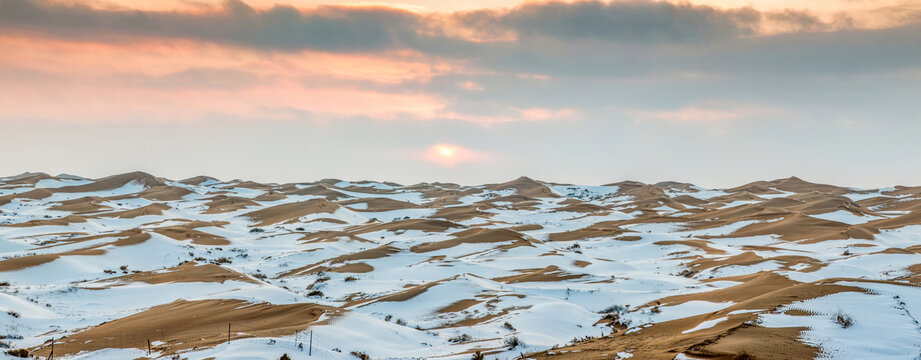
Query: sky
[712, 92]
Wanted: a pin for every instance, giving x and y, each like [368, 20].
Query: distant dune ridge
[210, 269]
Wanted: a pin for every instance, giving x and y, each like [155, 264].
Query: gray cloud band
[374, 28]
[613, 39]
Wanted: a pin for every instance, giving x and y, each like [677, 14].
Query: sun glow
[446, 150]
[450, 155]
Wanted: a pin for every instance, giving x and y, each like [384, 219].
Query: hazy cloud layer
[537, 86]
[611, 39]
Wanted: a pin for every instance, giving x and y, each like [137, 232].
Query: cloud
[534, 114]
[379, 28]
[281, 27]
[544, 114]
[537, 62]
[584, 38]
[704, 113]
[470, 85]
[628, 21]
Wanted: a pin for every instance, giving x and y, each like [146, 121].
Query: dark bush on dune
[360, 355]
[462, 338]
[844, 320]
[512, 342]
[23, 353]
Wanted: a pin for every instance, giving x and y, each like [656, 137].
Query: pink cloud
[705, 113]
[169, 81]
[544, 114]
[470, 85]
[528, 114]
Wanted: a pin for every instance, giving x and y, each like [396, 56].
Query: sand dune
[292, 211]
[525, 186]
[377, 204]
[36, 194]
[28, 178]
[164, 193]
[127, 238]
[475, 236]
[608, 228]
[197, 180]
[319, 190]
[457, 213]
[87, 204]
[64, 221]
[114, 182]
[439, 270]
[547, 274]
[187, 233]
[222, 204]
[188, 272]
[148, 210]
[169, 325]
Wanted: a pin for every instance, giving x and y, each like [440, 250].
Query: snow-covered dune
[133, 265]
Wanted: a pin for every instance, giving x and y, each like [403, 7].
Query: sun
[450, 155]
[446, 151]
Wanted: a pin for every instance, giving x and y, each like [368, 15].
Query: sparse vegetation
[844, 320]
[743, 356]
[256, 230]
[401, 322]
[462, 338]
[477, 356]
[388, 317]
[615, 309]
[13, 313]
[285, 357]
[350, 278]
[509, 326]
[512, 342]
[578, 339]
[315, 293]
[221, 260]
[361, 355]
[22, 353]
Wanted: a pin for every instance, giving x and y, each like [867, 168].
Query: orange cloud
[450, 155]
[168, 81]
[186, 81]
